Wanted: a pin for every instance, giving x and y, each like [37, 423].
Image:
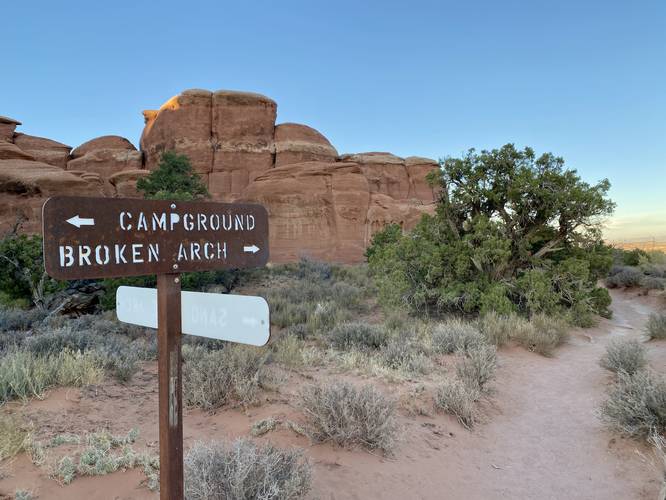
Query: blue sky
[583, 79]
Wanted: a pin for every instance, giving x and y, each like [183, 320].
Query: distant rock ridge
[321, 205]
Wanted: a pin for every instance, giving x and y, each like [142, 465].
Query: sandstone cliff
[321, 204]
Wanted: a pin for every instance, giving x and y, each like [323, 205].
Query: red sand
[541, 438]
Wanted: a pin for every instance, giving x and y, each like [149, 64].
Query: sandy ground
[540, 439]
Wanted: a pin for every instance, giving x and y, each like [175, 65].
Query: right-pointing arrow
[251, 249]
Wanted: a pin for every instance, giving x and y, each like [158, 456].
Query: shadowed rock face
[320, 204]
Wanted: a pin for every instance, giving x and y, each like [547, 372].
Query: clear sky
[583, 79]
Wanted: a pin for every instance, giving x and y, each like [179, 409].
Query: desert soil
[540, 437]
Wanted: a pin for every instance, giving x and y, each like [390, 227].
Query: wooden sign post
[113, 237]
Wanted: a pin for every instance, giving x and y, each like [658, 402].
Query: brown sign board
[113, 237]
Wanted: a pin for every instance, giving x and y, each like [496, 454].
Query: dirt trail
[541, 438]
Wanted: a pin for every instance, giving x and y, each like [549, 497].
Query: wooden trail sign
[114, 237]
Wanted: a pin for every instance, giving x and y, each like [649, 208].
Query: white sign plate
[235, 318]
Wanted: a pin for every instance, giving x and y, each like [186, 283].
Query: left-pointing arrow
[80, 221]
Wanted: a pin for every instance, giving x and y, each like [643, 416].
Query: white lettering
[120, 254]
[194, 248]
[136, 253]
[153, 252]
[98, 254]
[159, 222]
[222, 250]
[66, 256]
[208, 254]
[202, 222]
[173, 219]
[224, 222]
[188, 222]
[215, 222]
[250, 219]
[84, 255]
[182, 254]
[123, 226]
[238, 223]
[142, 225]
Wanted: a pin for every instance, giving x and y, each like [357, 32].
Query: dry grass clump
[350, 416]
[659, 445]
[544, 334]
[636, 404]
[14, 437]
[655, 328]
[498, 329]
[477, 367]
[624, 355]
[213, 378]
[288, 351]
[457, 398]
[24, 374]
[455, 335]
[406, 354]
[357, 334]
[244, 471]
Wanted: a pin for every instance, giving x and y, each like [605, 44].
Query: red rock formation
[7, 127]
[320, 205]
[296, 143]
[44, 150]
[105, 156]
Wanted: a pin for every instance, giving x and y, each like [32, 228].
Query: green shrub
[655, 328]
[213, 378]
[484, 249]
[477, 367]
[624, 355]
[23, 280]
[636, 404]
[351, 416]
[173, 179]
[546, 333]
[349, 335]
[458, 399]
[244, 471]
[456, 335]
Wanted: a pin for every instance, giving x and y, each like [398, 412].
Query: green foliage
[173, 179]
[512, 232]
[22, 277]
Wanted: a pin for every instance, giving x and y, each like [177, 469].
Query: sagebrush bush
[24, 375]
[288, 351]
[245, 471]
[655, 328]
[458, 399]
[14, 437]
[625, 278]
[653, 283]
[456, 335]
[624, 355]
[357, 334]
[477, 367]
[406, 355]
[12, 319]
[544, 334]
[350, 416]
[213, 378]
[636, 404]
